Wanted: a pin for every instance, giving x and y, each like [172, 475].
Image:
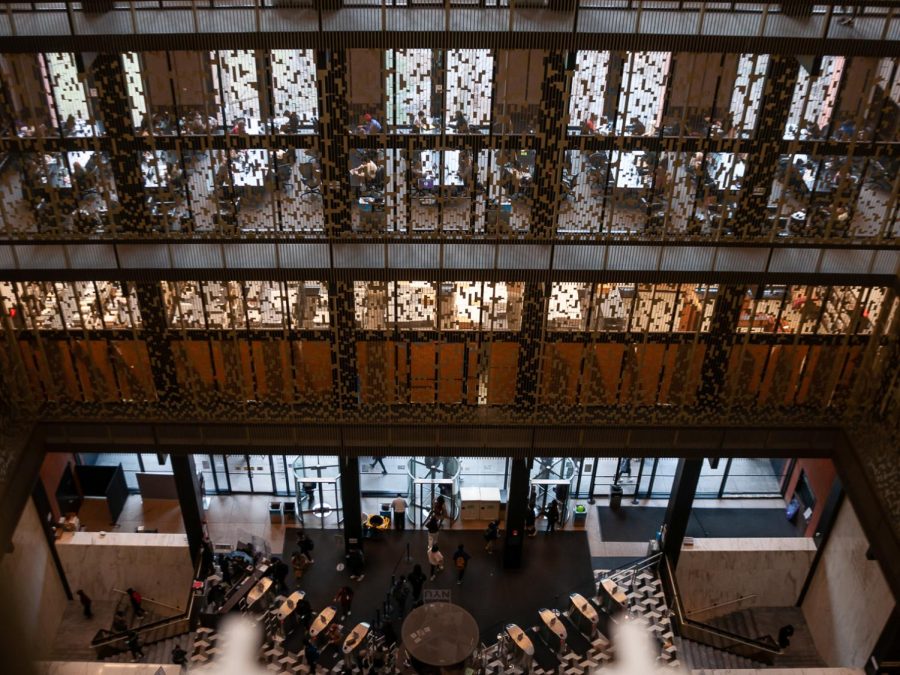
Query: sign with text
[436, 595]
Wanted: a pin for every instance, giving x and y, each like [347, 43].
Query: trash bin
[580, 517]
[615, 496]
[274, 512]
[290, 512]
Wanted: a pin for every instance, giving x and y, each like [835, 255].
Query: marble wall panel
[714, 571]
[36, 587]
[849, 601]
[87, 668]
[158, 566]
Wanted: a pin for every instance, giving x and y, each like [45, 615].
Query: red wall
[821, 474]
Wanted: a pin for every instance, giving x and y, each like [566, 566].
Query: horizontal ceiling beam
[449, 260]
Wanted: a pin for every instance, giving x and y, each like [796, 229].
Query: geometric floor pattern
[645, 600]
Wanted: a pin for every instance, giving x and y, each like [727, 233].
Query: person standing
[356, 563]
[344, 600]
[552, 516]
[491, 534]
[299, 562]
[85, 604]
[416, 580]
[461, 560]
[134, 646]
[279, 572]
[309, 489]
[136, 601]
[306, 545]
[399, 507]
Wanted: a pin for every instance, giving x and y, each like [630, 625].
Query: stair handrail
[763, 649]
[185, 617]
[144, 598]
[636, 565]
[720, 604]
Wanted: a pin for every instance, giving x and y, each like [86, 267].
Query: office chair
[310, 179]
[376, 186]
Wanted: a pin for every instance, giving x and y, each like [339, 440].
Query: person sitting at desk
[194, 124]
[637, 127]
[240, 128]
[81, 178]
[421, 122]
[461, 123]
[365, 171]
[846, 131]
[590, 124]
[70, 124]
[371, 125]
[292, 126]
[464, 169]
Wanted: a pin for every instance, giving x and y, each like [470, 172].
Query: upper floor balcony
[475, 21]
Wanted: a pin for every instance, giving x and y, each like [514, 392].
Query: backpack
[490, 533]
[460, 562]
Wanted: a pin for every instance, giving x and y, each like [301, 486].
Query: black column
[750, 218]
[350, 498]
[343, 352]
[108, 76]
[886, 655]
[527, 375]
[551, 141]
[155, 334]
[725, 318]
[516, 506]
[190, 500]
[331, 67]
[678, 513]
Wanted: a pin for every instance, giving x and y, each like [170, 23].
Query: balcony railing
[877, 20]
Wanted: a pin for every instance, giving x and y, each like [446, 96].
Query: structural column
[750, 218]
[678, 513]
[190, 500]
[108, 77]
[516, 507]
[155, 333]
[725, 318]
[331, 72]
[350, 499]
[551, 141]
[527, 373]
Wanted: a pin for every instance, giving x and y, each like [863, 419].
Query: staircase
[698, 656]
[158, 652]
[754, 622]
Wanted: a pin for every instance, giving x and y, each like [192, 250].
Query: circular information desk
[439, 636]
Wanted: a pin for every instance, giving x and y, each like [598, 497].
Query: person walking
[306, 545]
[136, 602]
[491, 534]
[625, 467]
[344, 600]
[134, 646]
[179, 656]
[416, 580]
[552, 516]
[356, 563]
[85, 604]
[309, 489]
[299, 562]
[433, 526]
[399, 594]
[120, 623]
[461, 560]
[439, 509]
[530, 527]
[379, 459]
[436, 560]
[311, 652]
[278, 572]
[399, 507]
